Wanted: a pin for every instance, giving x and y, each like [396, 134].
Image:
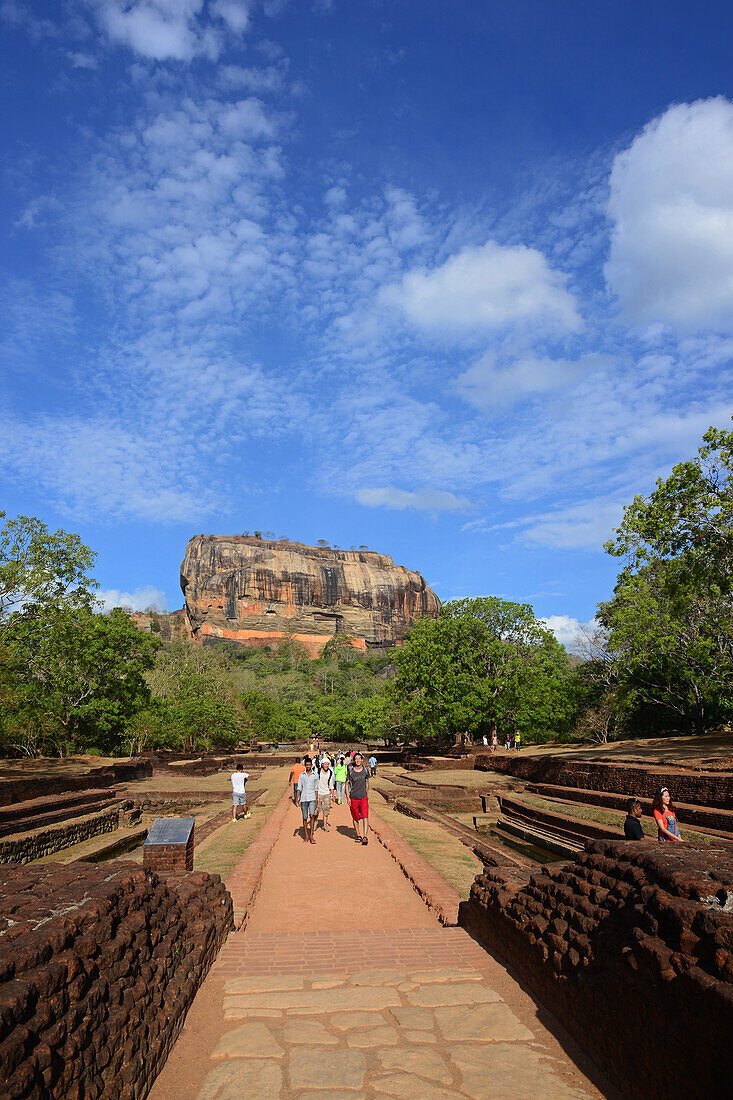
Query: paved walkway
[344, 986]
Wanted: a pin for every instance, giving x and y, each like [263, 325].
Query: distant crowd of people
[512, 741]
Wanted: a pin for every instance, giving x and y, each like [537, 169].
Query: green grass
[219, 853]
[456, 863]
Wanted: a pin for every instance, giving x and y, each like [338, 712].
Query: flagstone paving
[313, 1008]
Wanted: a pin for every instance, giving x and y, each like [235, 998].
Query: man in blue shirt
[307, 796]
[373, 765]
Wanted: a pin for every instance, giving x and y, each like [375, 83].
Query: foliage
[670, 621]
[41, 569]
[484, 664]
[75, 677]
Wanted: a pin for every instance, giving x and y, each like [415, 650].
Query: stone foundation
[631, 947]
[48, 841]
[98, 967]
[23, 790]
[699, 788]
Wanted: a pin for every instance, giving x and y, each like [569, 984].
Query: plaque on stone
[170, 830]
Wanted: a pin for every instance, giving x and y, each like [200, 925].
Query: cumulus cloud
[139, 600]
[568, 630]
[671, 204]
[489, 383]
[421, 500]
[172, 30]
[483, 288]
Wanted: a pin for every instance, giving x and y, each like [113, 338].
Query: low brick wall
[54, 838]
[698, 788]
[700, 816]
[98, 967]
[631, 947]
[570, 826]
[23, 790]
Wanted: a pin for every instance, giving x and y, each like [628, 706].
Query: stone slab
[254, 1040]
[263, 983]
[378, 977]
[422, 1063]
[332, 1069]
[420, 1036]
[319, 1000]
[420, 1019]
[252, 1013]
[239, 1079]
[452, 993]
[303, 1032]
[350, 1020]
[487, 1023]
[403, 1086]
[373, 1037]
[449, 974]
[505, 1071]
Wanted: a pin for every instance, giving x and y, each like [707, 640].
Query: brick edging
[244, 881]
[436, 892]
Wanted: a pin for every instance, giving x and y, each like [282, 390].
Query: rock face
[253, 592]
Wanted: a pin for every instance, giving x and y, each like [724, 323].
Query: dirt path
[343, 986]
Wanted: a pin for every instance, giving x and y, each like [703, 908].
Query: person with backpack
[323, 794]
[339, 774]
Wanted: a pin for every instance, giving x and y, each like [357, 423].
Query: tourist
[494, 741]
[632, 824]
[665, 817]
[323, 794]
[373, 764]
[307, 797]
[239, 795]
[339, 774]
[508, 742]
[357, 792]
[295, 773]
[485, 741]
[517, 740]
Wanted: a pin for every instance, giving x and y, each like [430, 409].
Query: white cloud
[421, 500]
[140, 599]
[671, 203]
[489, 383]
[568, 630]
[83, 60]
[173, 30]
[583, 526]
[235, 13]
[484, 288]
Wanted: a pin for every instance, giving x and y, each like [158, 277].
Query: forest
[74, 679]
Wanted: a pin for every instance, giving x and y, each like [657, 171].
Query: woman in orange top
[665, 816]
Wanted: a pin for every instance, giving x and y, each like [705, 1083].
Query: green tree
[484, 663]
[41, 569]
[78, 676]
[670, 621]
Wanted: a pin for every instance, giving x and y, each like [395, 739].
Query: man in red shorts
[357, 792]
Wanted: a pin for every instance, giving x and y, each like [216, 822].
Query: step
[540, 838]
[98, 849]
[23, 817]
[699, 817]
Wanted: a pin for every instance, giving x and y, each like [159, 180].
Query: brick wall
[165, 858]
[703, 817]
[98, 967]
[631, 946]
[699, 788]
[54, 838]
[22, 790]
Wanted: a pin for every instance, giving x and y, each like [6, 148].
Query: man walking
[323, 794]
[373, 764]
[357, 792]
[307, 796]
[239, 795]
[295, 773]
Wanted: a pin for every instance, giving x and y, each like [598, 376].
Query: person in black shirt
[632, 824]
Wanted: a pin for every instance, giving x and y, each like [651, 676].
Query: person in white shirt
[239, 795]
[307, 798]
[323, 797]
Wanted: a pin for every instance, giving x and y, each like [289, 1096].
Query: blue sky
[452, 280]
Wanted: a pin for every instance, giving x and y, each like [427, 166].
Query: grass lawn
[220, 851]
[453, 860]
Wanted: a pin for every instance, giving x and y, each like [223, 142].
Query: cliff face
[253, 592]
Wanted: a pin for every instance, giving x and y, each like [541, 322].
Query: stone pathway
[344, 986]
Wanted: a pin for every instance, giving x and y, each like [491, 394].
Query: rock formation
[253, 592]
